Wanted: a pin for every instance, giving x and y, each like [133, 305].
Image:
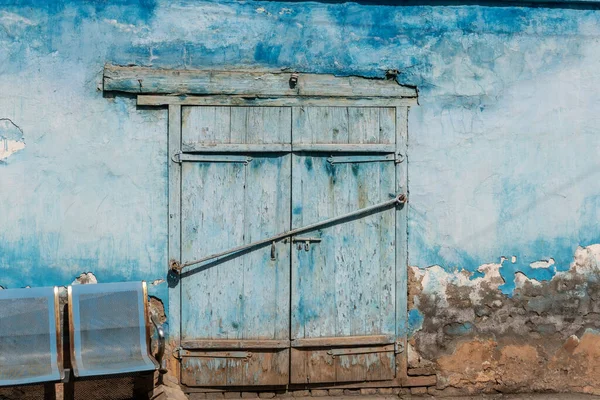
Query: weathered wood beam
[275, 101]
[143, 80]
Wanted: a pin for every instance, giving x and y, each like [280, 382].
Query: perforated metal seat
[30, 341]
[109, 329]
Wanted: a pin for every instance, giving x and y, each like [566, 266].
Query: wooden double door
[320, 307]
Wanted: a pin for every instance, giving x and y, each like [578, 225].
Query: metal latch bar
[360, 350]
[398, 199]
[360, 159]
[215, 354]
[180, 157]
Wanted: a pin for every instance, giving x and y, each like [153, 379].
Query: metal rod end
[175, 266]
[401, 199]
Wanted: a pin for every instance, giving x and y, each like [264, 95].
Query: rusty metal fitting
[175, 266]
[401, 199]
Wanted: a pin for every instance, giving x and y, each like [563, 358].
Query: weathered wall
[503, 162]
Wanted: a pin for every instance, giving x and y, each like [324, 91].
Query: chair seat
[30, 346]
[109, 329]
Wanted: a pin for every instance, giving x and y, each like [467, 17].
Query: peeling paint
[12, 139]
[472, 319]
[157, 309]
[85, 278]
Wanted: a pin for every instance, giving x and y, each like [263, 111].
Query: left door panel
[235, 309]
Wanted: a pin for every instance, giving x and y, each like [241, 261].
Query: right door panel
[343, 286]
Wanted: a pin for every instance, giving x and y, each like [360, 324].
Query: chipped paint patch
[85, 278]
[12, 139]
[484, 340]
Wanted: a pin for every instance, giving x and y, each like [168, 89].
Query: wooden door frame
[177, 88]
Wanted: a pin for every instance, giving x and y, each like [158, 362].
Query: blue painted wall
[503, 150]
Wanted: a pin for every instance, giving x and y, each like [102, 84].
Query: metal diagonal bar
[398, 199]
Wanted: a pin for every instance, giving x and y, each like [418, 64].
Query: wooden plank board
[264, 367]
[174, 250]
[343, 341]
[286, 101]
[343, 286]
[206, 125]
[401, 274]
[309, 365]
[235, 344]
[237, 148]
[325, 126]
[207, 82]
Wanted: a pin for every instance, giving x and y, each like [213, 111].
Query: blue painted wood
[401, 274]
[245, 296]
[344, 285]
[174, 170]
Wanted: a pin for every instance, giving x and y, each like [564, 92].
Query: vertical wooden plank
[266, 280]
[174, 250]
[239, 123]
[312, 271]
[212, 220]
[320, 125]
[268, 125]
[206, 125]
[402, 242]
[387, 254]
[387, 125]
[344, 253]
[363, 124]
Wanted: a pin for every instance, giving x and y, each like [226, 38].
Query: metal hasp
[398, 199]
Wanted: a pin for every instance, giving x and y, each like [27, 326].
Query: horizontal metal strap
[360, 159]
[180, 157]
[215, 354]
[360, 350]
